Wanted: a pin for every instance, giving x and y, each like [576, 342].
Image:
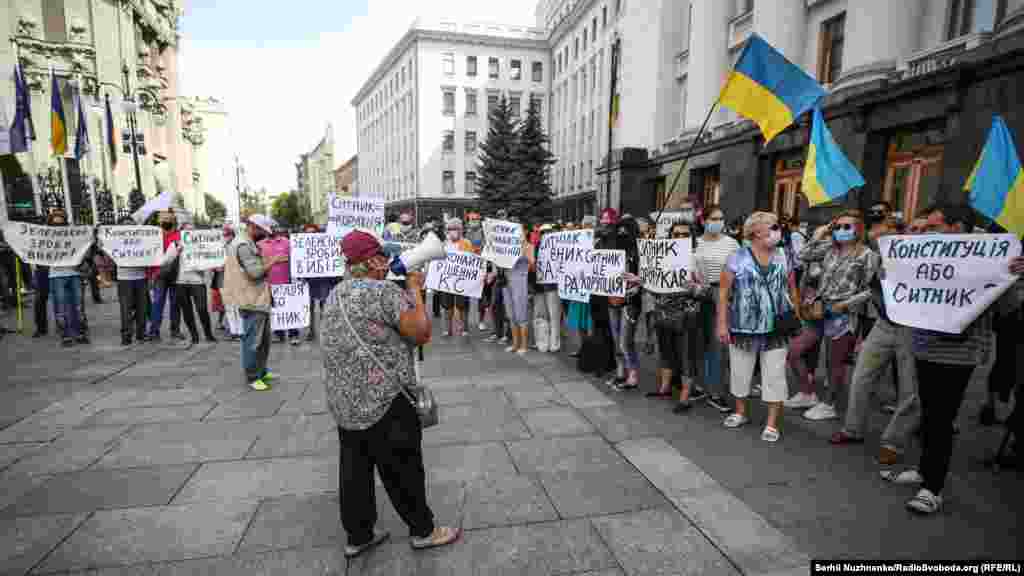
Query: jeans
[498, 309]
[189, 296]
[839, 351]
[67, 299]
[547, 321]
[255, 343]
[132, 297]
[716, 356]
[886, 343]
[624, 322]
[163, 294]
[392, 447]
[941, 391]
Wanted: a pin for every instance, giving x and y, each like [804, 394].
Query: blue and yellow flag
[58, 124]
[828, 173]
[996, 184]
[23, 130]
[768, 89]
[82, 131]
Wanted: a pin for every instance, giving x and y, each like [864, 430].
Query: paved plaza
[157, 459]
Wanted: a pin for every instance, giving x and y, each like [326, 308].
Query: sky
[286, 69]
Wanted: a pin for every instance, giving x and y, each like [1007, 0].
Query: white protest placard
[60, 246]
[944, 282]
[460, 273]
[202, 250]
[348, 214]
[503, 242]
[601, 274]
[132, 246]
[290, 309]
[316, 256]
[665, 265]
[665, 222]
[559, 248]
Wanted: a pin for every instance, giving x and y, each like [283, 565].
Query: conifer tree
[529, 194]
[496, 166]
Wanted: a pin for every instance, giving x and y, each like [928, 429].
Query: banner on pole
[316, 256]
[559, 249]
[290, 310]
[944, 282]
[348, 214]
[57, 246]
[460, 273]
[202, 250]
[503, 242]
[132, 246]
[665, 265]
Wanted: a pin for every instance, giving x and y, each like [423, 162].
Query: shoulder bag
[786, 323]
[420, 396]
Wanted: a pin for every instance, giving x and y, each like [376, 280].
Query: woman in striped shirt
[713, 249]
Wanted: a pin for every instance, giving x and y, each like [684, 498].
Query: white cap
[266, 223]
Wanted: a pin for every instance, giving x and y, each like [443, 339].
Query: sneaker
[735, 421]
[503, 340]
[521, 352]
[801, 400]
[39, 334]
[268, 376]
[623, 386]
[259, 385]
[445, 334]
[719, 403]
[296, 341]
[83, 339]
[491, 339]
[925, 502]
[843, 437]
[510, 348]
[482, 326]
[755, 391]
[770, 434]
[698, 394]
[682, 407]
[67, 342]
[178, 336]
[820, 412]
[903, 478]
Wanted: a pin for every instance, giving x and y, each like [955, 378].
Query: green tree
[496, 165]
[529, 189]
[287, 210]
[215, 210]
[136, 199]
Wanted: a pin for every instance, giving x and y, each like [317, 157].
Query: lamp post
[129, 105]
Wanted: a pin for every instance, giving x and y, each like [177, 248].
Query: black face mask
[167, 225]
[604, 230]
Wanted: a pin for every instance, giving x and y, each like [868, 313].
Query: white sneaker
[482, 326]
[510, 349]
[445, 334]
[925, 502]
[906, 477]
[735, 421]
[821, 411]
[801, 400]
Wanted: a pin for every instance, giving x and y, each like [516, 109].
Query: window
[54, 23]
[744, 6]
[618, 8]
[537, 103]
[584, 40]
[449, 102]
[470, 103]
[492, 103]
[576, 48]
[538, 71]
[493, 67]
[513, 103]
[583, 85]
[470, 182]
[593, 29]
[448, 142]
[448, 63]
[470, 65]
[830, 57]
[470, 141]
[516, 69]
[448, 182]
[973, 16]
[604, 17]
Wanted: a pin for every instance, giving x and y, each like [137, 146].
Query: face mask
[843, 235]
[166, 225]
[687, 215]
[453, 235]
[604, 230]
[746, 243]
[774, 237]
[405, 228]
[623, 232]
[715, 227]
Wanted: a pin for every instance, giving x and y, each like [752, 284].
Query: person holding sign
[455, 307]
[547, 308]
[66, 291]
[758, 319]
[624, 313]
[945, 363]
[133, 298]
[516, 294]
[279, 246]
[190, 291]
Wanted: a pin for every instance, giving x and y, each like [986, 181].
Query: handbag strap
[764, 281]
[366, 350]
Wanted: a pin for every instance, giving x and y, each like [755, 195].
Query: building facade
[211, 157]
[423, 112]
[346, 177]
[314, 175]
[97, 48]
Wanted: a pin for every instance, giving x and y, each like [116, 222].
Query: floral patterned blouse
[358, 393]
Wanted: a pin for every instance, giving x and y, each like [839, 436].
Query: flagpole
[686, 159]
[37, 194]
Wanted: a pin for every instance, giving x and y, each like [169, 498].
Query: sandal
[659, 394]
[353, 551]
[770, 434]
[441, 536]
[905, 477]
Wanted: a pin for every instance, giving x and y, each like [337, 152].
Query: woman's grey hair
[755, 219]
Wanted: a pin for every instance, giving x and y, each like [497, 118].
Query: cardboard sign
[316, 256]
[202, 249]
[290, 308]
[665, 222]
[944, 282]
[461, 273]
[601, 274]
[559, 249]
[348, 214]
[665, 265]
[58, 246]
[503, 242]
[132, 246]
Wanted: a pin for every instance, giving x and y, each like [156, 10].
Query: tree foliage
[496, 164]
[287, 210]
[529, 189]
[136, 199]
[215, 209]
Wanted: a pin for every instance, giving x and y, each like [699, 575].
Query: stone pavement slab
[473, 424]
[506, 501]
[556, 421]
[76, 450]
[148, 415]
[248, 479]
[26, 541]
[294, 520]
[325, 561]
[298, 434]
[466, 463]
[182, 442]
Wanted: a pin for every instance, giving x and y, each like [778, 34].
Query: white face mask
[774, 237]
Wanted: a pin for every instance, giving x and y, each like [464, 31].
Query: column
[709, 58]
[879, 33]
[783, 24]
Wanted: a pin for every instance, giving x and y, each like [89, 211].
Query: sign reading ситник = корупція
[601, 274]
[348, 214]
[944, 282]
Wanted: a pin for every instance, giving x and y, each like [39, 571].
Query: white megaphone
[429, 249]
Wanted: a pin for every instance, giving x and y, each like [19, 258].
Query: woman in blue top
[757, 286]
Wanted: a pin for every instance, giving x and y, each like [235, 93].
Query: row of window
[448, 182]
[493, 67]
[448, 141]
[392, 88]
[514, 100]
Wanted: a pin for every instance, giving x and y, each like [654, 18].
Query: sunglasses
[844, 227]
[680, 235]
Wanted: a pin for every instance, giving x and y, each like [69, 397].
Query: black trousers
[41, 300]
[134, 301]
[498, 311]
[188, 295]
[941, 390]
[392, 446]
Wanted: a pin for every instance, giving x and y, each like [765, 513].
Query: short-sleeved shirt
[358, 392]
[759, 293]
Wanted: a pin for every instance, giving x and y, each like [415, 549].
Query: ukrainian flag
[768, 89]
[828, 174]
[996, 184]
[58, 125]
